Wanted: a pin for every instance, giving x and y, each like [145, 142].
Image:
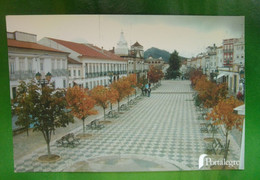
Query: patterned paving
[162, 128]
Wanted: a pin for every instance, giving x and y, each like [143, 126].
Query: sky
[188, 35]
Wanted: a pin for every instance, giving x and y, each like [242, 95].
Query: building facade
[98, 66]
[27, 57]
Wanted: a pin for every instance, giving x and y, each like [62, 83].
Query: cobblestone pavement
[159, 133]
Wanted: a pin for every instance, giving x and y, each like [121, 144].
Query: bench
[132, 102]
[68, 140]
[95, 125]
[124, 107]
[112, 114]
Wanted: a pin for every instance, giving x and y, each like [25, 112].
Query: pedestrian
[149, 92]
[142, 90]
[146, 88]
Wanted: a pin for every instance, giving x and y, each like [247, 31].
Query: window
[12, 66]
[58, 64]
[52, 64]
[64, 83]
[86, 85]
[70, 73]
[21, 64]
[14, 92]
[74, 72]
[63, 64]
[86, 68]
[78, 72]
[30, 65]
[242, 56]
[41, 65]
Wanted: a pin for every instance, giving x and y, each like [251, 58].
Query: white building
[98, 67]
[239, 52]
[220, 56]
[26, 58]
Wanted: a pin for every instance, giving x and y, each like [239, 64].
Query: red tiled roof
[73, 61]
[88, 50]
[136, 44]
[30, 45]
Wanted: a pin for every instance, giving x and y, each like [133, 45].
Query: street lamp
[45, 81]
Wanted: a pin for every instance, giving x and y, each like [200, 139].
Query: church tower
[122, 47]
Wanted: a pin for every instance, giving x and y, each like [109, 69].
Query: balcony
[22, 75]
[59, 72]
[228, 50]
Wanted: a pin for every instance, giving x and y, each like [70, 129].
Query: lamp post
[44, 81]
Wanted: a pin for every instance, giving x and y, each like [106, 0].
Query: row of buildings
[71, 63]
[225, 63]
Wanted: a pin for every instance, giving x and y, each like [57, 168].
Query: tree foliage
[175, 63]
[123, 87]
[103, 96]
[154, 74]
[141, 81]
[45, 107]
[80, 103]
[223, 114]
[209, 92]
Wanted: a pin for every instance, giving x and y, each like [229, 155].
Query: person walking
[149, 92]
[146, 88]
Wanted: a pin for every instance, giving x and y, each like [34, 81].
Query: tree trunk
[83, 119]
[118, 105]
[111, 106]
[128, 100]
[104, 114]
[49, 150]
[27, 130]
[226, 149]
[48, 138]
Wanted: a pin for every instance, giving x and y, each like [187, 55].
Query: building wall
[25, 63]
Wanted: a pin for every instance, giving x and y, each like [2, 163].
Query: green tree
[23, 105]
[175, 63]
[45, 107]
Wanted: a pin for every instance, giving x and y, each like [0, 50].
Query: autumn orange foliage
[154, 74]
[100, 95]
[80, 103]
[103, 96]
[209, 92]
[223, 114]
[123, 87]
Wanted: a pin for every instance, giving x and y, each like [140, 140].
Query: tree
[101, 95]
[209, 92]
[154, 74]
[80, 103]
[122, 86]
[113, 95]
[223, 114]
[141, 81]
[132, 79]
[175, 63]
[46, 108]
[23, 105]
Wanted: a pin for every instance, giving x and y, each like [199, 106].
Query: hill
[157, 53]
